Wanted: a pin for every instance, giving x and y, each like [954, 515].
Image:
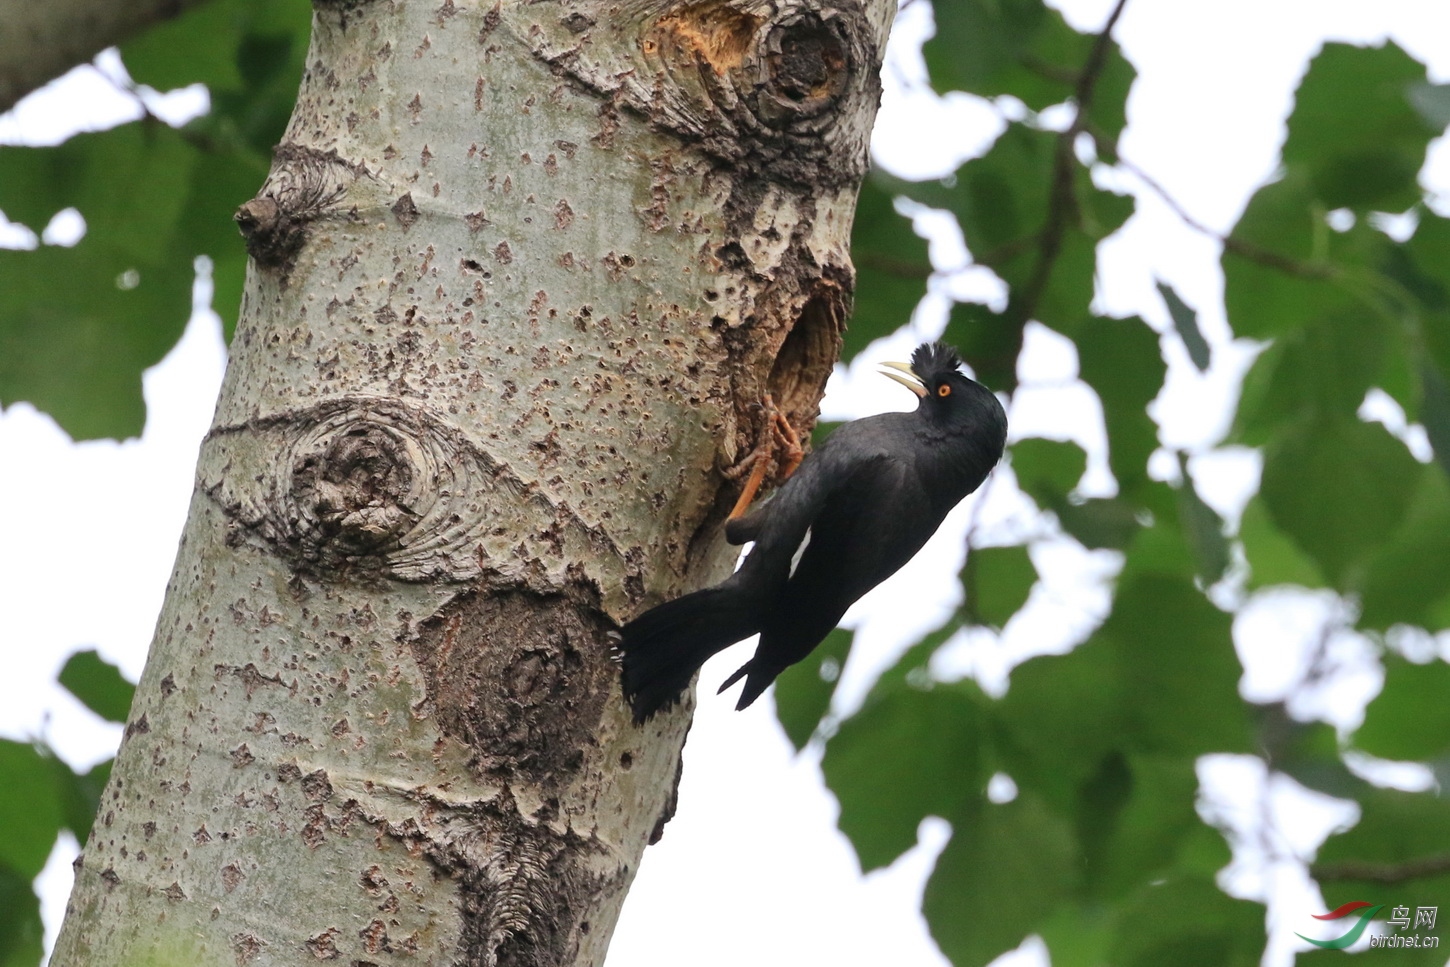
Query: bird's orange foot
[791, 452]
[780, 447]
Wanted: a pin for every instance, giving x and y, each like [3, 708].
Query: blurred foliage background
[1097, 841]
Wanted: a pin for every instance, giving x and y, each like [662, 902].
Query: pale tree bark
[522, 275]
[39, 41]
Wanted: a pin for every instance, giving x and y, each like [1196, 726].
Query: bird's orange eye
[943, 390]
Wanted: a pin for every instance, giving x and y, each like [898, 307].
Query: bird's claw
[779, 448]
[789, 441]
[743, 464]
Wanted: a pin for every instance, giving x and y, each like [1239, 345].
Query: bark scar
[522, 884]
[364, 485]
[765, 87]
[305, 184]
[523, 680]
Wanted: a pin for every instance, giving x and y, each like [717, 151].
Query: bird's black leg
[780, 447]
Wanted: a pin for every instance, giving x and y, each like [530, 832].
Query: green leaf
[1099, 522]
[990, 342]
[197, 47]
[79, 324]
[1432, 103]
[1062, 301]
[1162, 549]
[1273, 558]
[1354, 131]
[1202, 528]
[1062, 715]
[803, 691]
[1108, 113]
[1121, 360]
[892, 266]
[1047, 470]
[1015, 224]
[1438, 614]
[1178, 667]
[124, 182]
[1396, 851]
[1435, 411]
[998, 581]
[979, 47]
[74, 342]
[1422, 267]
[1001, 199]
[1411, 571]
[1339, 489]
[1004, 870]
[1410, 718]
[1319, 371]
[1277, 267]
[1078, 934]
[1134, 816]
[1308, 752]
[81, 795]
[98, 684]
[1026, 50]
[30, 808]
[1160, 677]
[1189, 922]
[1185, 321]
[1102, 212]
[21, 930]
[1423, 270]
[923, 746]
[249, 53]
[1354, 142]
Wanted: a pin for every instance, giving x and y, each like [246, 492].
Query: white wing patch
[795, 559]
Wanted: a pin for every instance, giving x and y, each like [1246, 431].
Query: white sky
[752, 868]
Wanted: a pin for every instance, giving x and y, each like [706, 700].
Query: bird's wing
[827, 545]
[782, 527]
[870, 524]
[847, 451]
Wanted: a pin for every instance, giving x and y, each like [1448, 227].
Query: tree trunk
[521, 276]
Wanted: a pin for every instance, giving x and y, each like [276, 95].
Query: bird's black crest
[933, 359]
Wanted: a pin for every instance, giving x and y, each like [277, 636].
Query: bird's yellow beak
[903, 374]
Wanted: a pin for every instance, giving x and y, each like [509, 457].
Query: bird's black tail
[758, 677]
[664, 647]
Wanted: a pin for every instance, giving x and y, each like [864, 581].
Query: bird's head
[934, 375]
[958, 411]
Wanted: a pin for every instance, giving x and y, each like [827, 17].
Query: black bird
[854, 512]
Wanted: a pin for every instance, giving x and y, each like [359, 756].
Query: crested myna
[856, 510]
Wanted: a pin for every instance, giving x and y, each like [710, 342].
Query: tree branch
[41, 41]
[1382, 872]
[1062, 204]
[1247, 250]
[899, 268]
